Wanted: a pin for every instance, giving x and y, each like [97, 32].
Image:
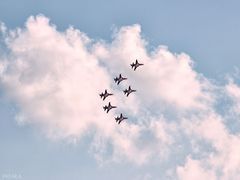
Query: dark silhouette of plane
[105, 95]
[119, 79]
[108, 107]
[129, 91]
[136, 65]
[120, 118]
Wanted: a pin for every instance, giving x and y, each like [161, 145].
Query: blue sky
[208, 32]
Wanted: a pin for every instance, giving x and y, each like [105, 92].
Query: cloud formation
[54, 79]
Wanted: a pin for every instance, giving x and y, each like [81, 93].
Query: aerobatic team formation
[127, 92]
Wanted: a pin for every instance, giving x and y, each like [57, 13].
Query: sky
[183, 121]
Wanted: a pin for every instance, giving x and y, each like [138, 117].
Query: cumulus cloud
[223, 159]
[194, 170]
[233, 92]
[54, 79]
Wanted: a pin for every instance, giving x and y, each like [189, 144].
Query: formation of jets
[127, 92]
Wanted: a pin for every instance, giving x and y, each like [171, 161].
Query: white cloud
[233, 91]
[194, 170]
[224, 157]
[3, 28]
[54, 78]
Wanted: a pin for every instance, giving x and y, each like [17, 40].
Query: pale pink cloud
[193, 169]
[224, 157]
[54, 79]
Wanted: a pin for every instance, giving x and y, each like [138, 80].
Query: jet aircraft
[135, 65]
[119, 79]
[108, 107]
[120, 118]
[105, 95]
[129, 91]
